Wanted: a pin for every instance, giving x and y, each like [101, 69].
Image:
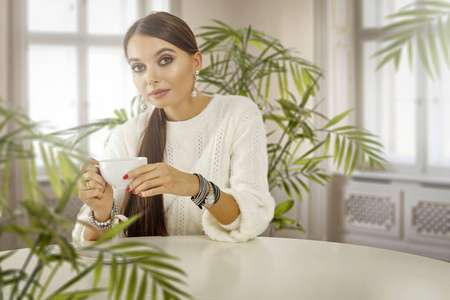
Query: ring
[87, 185]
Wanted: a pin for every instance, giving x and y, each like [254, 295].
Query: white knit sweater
[226, 143]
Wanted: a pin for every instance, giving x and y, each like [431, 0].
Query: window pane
[111, 16]
[375, 12]
[53, 86]
[390, 109]
[439, 121]
[109, 87]
[52, 15]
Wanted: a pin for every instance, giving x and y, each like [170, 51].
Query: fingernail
[128, 188]
[140, 195]
[134, 192]
[125, 177]
[106, 184]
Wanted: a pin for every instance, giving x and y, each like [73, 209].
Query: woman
[202, 151]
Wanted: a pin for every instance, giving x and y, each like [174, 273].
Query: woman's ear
[198, 60]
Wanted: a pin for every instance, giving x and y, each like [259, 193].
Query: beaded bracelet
[108, 223]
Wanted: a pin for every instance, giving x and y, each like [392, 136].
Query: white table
[279, 268]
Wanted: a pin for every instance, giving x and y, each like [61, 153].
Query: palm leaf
[443, 41]
[143, 288]
[408, 29]
[283, 207]
[433, 51]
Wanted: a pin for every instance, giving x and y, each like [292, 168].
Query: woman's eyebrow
[164, 49]
[131, 59]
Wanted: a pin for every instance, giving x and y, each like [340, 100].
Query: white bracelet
[213, 195]
[108, 223]
[209, 200]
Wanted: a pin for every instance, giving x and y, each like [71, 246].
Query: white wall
[3, 48]
[7, 241]
[291, 21]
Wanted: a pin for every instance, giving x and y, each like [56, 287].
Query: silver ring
[87, 185]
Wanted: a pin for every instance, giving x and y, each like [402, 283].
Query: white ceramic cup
[113, 170]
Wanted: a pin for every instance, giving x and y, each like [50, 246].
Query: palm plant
[424, 26]
[250, 63]
[44, 234]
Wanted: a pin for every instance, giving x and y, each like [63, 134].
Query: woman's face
[162, 72]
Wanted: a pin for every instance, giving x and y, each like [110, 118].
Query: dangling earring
[144, 105]
[194, 92]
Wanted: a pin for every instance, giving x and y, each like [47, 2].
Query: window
[76, 71]
[404, 107]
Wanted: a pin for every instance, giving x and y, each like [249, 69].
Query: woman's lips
[156, 94]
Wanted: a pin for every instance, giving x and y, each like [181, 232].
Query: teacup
[113, 170]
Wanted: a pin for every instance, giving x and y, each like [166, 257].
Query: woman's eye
[166, 60]
[137, 68]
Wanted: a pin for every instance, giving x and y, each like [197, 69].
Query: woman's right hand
[95, 192]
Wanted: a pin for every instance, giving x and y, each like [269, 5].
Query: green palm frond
[18, 142]
[423, 27]
[245, 61]
[282, 222]
[73, 136]
[356, 145]
[352, 144]
[292, 168]
[52, 250]
[49, 245]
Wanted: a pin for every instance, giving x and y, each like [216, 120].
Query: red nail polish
[134, 192]
[125, 177]
[128, 188]
[140, 195]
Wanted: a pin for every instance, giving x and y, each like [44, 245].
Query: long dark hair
[173, 30]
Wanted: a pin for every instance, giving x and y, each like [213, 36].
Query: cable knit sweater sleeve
[247, 183]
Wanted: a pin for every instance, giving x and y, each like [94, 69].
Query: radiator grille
[370, 210]
[432, 218]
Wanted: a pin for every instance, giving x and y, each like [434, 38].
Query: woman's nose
[152, 77]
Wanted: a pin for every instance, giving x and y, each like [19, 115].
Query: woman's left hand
[160, 178]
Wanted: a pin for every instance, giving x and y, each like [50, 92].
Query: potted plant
[250, 63]
[146, 267]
